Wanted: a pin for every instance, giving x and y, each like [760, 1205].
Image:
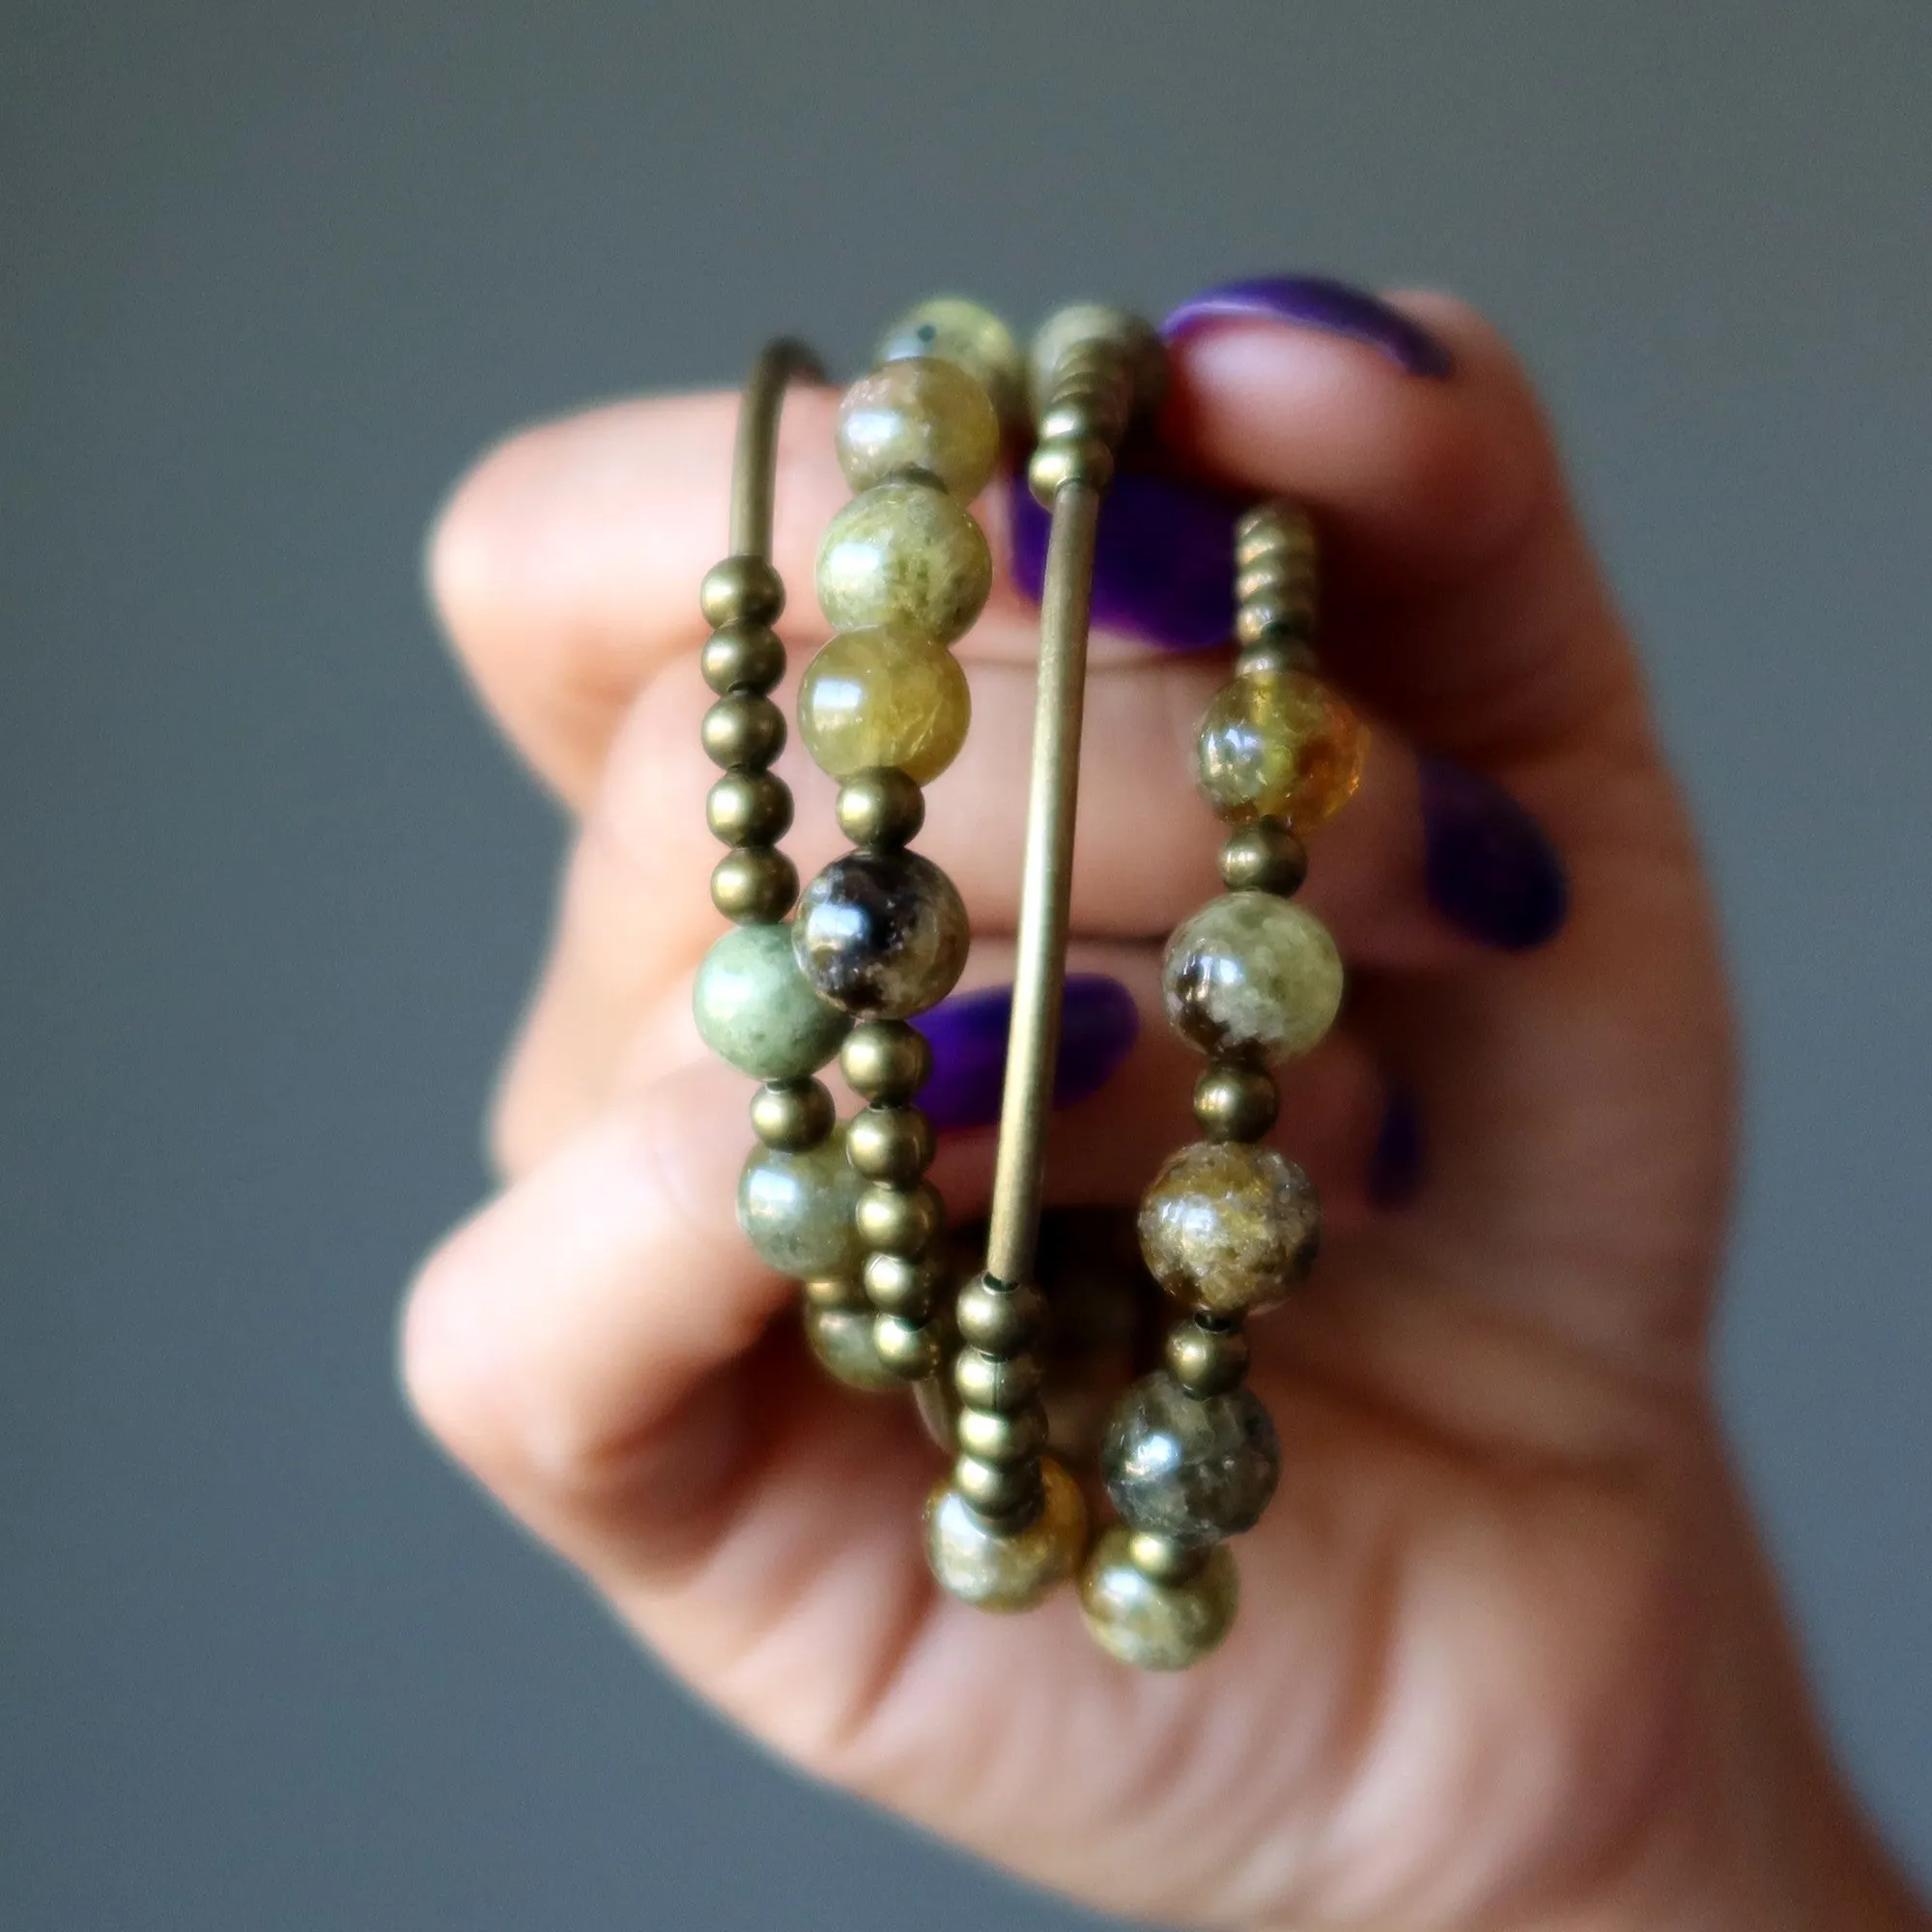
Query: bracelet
[1190, 1455]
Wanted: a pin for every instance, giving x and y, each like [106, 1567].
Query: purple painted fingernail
[1098, 1024]
[1489, 866]
[1395, 1164]
[1315, 301]
[1163, 558]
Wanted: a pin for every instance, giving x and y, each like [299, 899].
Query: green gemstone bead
[954, 330]
[919, 413]
[756, 1011]
[1278, 745]
[798, 1210]
[876, 697]
[841, 1338]
[1252, 973]
[1190, 1468]
[1156, 1625]
[905, 555]
[1230, 1228]
[997, 1571]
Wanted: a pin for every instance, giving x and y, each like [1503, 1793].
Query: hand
[1507, 1657]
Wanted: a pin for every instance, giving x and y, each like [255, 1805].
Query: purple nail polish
[1395, 1164]
[1315, 301]
[1163, 558]
[1098, 1024]
[1489, 866]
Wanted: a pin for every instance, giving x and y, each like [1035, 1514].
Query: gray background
[269, 891]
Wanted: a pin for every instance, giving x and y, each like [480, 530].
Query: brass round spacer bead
[998, 1319]
[1274, 655]
[741, 590]
[742, 657]
[910, 1349]
[746, 807]
[1068, 460]
[1162, 1560]
[886, 1060]
[1001, 1436]
[892, 1144]
[1285, 612]
[881, 807]
[792, 1114]
[995, 1381]
[1206, 1361]
[1263, 857]
[898, 1285]
[832, 1291]
[1002, 1493]
[1236, 1102]
[900, 1220]
[742, 728]
[755, 885]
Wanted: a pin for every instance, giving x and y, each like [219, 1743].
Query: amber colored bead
[904, 555]
[1155, 1624]
[919, 413]
[878, 699]
[976, 1562]
[1279, 745]
[1229, 1228]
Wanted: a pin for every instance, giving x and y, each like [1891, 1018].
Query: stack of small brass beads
[1010, 1523]
[1230, 1226]
[881, 933]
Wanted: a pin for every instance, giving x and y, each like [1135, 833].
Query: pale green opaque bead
[797, 1209]
[842, 1339]
[1006, 1573]
[907, 556]
[1250, 973]
[955, 331]
[1156, 1625]
[919, 413]
[756, 1011]
[878, 697]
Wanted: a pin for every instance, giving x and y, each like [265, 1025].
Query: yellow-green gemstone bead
[756, 1011]
[905, 555]
[1279, 745]
[995, 1571]
[919, 413]
[841, 1338]
[879, 697]
[955, 331]
[1156, 1625]
[1250, 973]
[1230, 1228]
[798, 1210]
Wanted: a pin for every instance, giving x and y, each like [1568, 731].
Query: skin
[1509, 1655]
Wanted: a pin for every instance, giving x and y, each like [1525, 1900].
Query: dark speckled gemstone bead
[882, 935]
[1189, 1469]
[1229, 1228]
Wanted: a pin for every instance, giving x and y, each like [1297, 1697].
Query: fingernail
[1315, 301]
[1163, 559]
[1490, 868]
[1395, 1165]
[1098, 1024]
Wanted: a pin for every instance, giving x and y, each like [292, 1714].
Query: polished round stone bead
[1252, 973]
[755, 1011]
[907, 556]
[919, 413]
[973, 1561]
[842, 1339]
[1229, 1228]
[954, 330]
[882, 934]
[1151, 1624]
[879, 698]
[1278, 745]
[1189, 1469]
[797, 1209]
